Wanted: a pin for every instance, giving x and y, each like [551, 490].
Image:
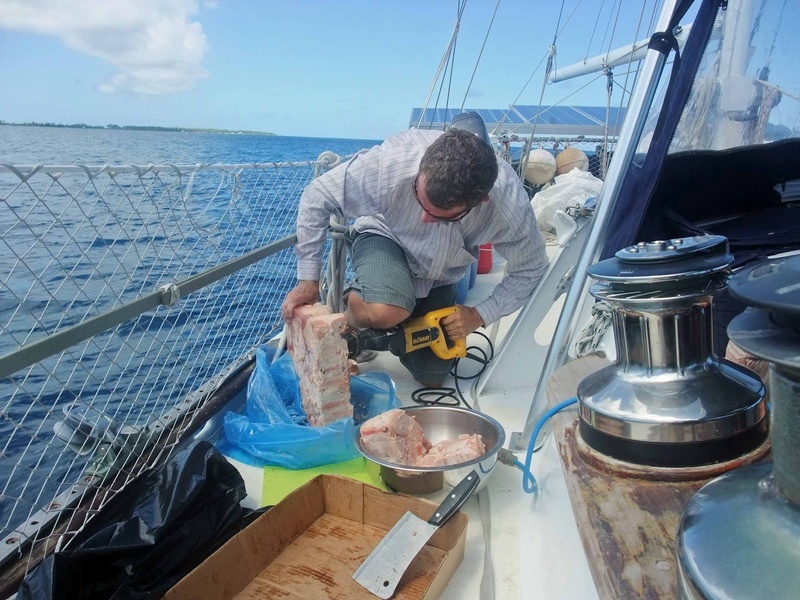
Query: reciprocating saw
[413, 334]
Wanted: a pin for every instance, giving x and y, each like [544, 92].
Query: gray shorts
[383, 276]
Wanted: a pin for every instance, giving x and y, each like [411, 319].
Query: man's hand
[460, 324]
[305, 292]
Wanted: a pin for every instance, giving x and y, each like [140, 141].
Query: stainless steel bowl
[441, 423]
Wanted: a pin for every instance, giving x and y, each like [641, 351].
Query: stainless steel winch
[669, 400]
[739, 536]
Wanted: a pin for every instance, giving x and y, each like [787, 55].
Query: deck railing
[128, 294]
[122, 290]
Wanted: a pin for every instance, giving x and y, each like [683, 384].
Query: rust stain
[631, 524]
[264, 589]
[323, 576]
[338, 531]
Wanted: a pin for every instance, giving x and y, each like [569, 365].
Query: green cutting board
[279, 482]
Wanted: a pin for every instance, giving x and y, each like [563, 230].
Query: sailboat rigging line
[556, 32]
[653, 16]
[610, 87]
[480, 54]
[442, 63]
[551, 59]
[558, 103]
[608, 25]
[524, 87]
[462, 6]
[591, 37]
[450, 61]
[569, 18]
[614, 30]
[450, 79]
[505, 114]
[775, 34]
[523, 165]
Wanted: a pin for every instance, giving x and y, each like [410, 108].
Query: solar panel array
[519, 118]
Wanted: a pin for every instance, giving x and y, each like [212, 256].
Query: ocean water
[66, 146]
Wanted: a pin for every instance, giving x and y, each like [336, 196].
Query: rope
[589, 339]
[337, 264]
[609, 89]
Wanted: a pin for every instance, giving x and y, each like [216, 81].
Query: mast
[736, 89]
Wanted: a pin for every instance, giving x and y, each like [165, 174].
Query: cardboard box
[310, 544]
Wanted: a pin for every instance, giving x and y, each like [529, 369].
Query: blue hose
[528, 480]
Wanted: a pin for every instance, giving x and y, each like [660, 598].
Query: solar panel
[553, 119]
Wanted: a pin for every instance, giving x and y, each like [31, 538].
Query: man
[423, 202]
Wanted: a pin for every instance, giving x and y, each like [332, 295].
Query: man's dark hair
[460, 169]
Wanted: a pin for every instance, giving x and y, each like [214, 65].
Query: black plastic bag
[151, 534]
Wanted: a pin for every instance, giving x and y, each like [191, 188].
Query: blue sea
[66, 146]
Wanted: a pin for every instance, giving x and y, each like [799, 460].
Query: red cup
[485, 259]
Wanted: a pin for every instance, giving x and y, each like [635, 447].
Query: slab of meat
[452, 452]
[320, 359]
[394, 436]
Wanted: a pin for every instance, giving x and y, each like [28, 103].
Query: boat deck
[519, 545]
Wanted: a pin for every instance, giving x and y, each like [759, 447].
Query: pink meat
[452, 452]
[394, 436]
[319, 354]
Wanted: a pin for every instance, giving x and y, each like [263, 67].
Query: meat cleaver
[381, 571]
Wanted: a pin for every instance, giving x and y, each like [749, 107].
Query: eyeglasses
[454, 219]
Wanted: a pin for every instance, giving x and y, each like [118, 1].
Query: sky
[345, 68]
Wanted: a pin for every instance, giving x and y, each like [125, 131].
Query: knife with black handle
[381, 571]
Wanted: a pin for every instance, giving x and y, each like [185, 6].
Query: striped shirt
[375, 188]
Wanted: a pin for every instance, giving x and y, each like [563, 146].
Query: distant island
[139, 128]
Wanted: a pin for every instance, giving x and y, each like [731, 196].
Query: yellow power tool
[413, 334]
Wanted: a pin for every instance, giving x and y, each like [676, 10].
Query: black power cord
[444, 396]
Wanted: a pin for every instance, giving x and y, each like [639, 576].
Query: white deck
[519, 545]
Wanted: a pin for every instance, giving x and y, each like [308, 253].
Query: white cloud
[156, 46]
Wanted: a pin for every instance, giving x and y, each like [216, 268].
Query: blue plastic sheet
[274, 427]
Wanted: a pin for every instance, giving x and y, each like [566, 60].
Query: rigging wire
[551, 54]
[591, 38]
[449, 67]
[608, 25]
[614, 30]
[535, 70]
[653, 15]
[480, 54]
[650, 26]
[569, 18]
[505, 114]
[560, 12]
[560, 31]
[443, 62]
[578, 90]
[610, 87]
